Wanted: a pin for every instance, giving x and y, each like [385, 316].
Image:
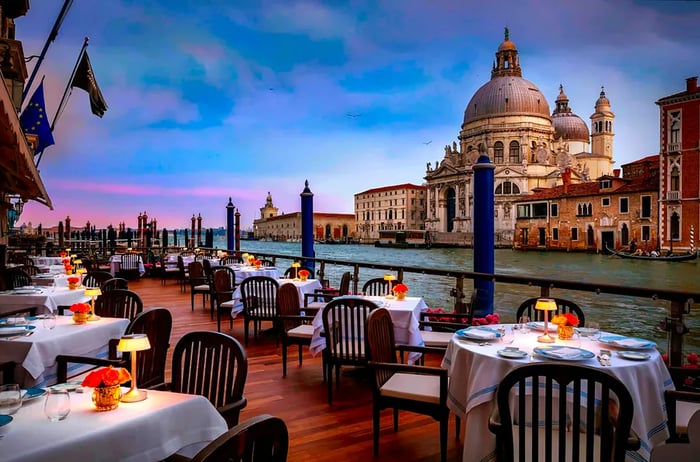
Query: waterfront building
[19, 178]
[396, 207]
[509, 119]
[287, 226]
[611, 211]
[680, 167]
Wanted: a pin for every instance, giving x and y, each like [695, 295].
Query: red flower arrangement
[73, 280]
[486, 320]
[565, 319]
[65, 261]
[106, 377]
[80, 307]
[62, 253]
[398, 288]
[304, 273]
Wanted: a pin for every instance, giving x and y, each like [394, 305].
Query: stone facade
[397, 207]
[679, 214]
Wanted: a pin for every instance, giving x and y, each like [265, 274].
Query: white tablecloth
[35, 355]
[404, 314]
[244, 272]
[115, 262]
[46, 298]
[149, 430]
[47, 261]
[48, 279]
[476, 369]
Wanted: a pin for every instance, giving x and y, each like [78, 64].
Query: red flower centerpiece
[565, 323]
[257, 263]
[73, 282]
[106, 382]
[304, 274]
[62, 253]
[69, 268]
[80, 312]
[400, 291]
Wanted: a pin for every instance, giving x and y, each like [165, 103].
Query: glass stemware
[57, 405]
[49, 321]
[522, 324]
[10, 398]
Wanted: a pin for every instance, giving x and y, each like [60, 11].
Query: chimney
[566, 178]
[616, 172]
[691, 84]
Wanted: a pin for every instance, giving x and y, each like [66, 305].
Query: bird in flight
[271, 89]
[427, 142]
[350, 114]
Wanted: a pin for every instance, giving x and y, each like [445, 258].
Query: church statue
[447, 149]
[454, 146]
[427, 167]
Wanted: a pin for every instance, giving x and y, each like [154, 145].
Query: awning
[18, 174]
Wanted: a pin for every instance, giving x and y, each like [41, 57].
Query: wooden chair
[115, 283]
[231, 260]
[129, 266]
[167, 270]
[150, 364]
[263, 438]
[377, 286]
[199, 284]
[96, 278]
[681, 452]
[118, 303]
[16, 277]
[322, 296]
[30, 269]
[401, 386]
[577, 410]
[437, 328]
[182, 274]
[215, 366]
[224, 285]
[343, 327]
[527, 308]
[291, 272]
[259, 294]
[295, 329]
[683, 402]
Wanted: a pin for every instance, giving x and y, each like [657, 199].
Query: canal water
[626, 315]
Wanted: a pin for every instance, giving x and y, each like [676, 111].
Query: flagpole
[68, 90]
[52, 36]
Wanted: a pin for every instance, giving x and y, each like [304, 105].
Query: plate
[68, 386]
[539, 325]
[479, 333]
[8, 330]
[564, 353]
[26, 291]
[634, 355]
[512, 353]
[33, 393]
[5, 419]
[628, 343]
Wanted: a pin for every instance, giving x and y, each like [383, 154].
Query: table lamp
[93, 292]
[133, 343]
[77, 262]
[389, 278]
[296, 265]
[546, 305]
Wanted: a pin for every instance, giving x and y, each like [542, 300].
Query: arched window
[507, 188]
[580, 210]
[389, 216]
[498, 152]
[590, 209]
[675, 227]
[675, 179]
[624, 235]
[514, 152]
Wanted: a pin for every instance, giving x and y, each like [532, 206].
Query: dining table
[476, 366]
[35, 355]
[115, 262]
[242, 273]
[47, 261]
[163, 424]
[46, 299]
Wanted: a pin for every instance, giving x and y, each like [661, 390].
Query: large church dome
[567, 125]
[507, 93]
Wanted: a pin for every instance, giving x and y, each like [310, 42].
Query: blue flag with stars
[34, 120]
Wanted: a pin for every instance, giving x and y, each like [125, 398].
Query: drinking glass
[507, 335]
[57, 405]
[594, 332]
[49, 321]
[523, 322]
[10, 398]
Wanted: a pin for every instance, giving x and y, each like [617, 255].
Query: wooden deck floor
[318, 432]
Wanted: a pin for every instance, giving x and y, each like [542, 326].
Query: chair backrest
[288, 303]
[213, 365]
[114, 283]
[265, 262]
[17, 277]
[290, 272]
[344, 326]
[118, 303]
[231, 260]
[263, 438]
[206, 267]
[259, 296]
[97, 278]
[589, 403]
[376, 287]
[345, 280]
[130, 261]
[157, 323]
[224, 280]
[527, 308]
[196, 271]
[381, 347]
[31, 270]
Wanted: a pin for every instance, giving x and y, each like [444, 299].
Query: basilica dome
[567, 125]
[506, 95]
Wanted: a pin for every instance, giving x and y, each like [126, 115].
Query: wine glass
[49, 321]
[10, 398]
[507, 335]
[523, 322]
[57, 405]
[594, 330]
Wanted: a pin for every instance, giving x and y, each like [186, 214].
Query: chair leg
[218, 321]
[245, 330]
[284, 359]
[458, 427]
[375, 428]
[396, 419]
[443, 437]
[300, 354]
[192, 299]
[330, 383]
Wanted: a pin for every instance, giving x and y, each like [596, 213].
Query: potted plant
[106, 383]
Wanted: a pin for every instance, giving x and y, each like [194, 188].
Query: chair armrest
[63, 360]
[232, 411]
[420, 349]
[633, 443]
[398, 367]
[495, 421]
[317, 297]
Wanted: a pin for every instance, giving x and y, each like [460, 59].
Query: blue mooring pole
[484, 255]
[229, 226]
[307, 227]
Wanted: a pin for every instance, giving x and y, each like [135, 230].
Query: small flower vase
[106, 398]
[400, 295]
[304, 277]
[72, 285]
[565, 332]
[69, 272]
[257, 267]
[80, 318]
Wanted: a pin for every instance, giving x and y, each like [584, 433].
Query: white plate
[634, 355]
[556, 352]
[512, 353]
[614, 340]
[32, 393]
[539, 325]
[68, 386]
[479, 333]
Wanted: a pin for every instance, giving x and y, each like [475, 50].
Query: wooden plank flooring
[318, 432]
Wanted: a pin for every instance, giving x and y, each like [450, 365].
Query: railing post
[355, 277]
[675, 355]
[459, 295]
[544, 291]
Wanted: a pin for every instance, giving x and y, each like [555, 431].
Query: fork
[26, 334]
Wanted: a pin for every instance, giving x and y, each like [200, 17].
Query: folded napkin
[482, 333]
[630, 342]
[15, 320]
[13, 330]
[565, 353]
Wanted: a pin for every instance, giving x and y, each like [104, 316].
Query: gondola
[686, 257]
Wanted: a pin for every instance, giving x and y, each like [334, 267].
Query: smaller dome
[507, 45]
[602, 100]
[569, 127]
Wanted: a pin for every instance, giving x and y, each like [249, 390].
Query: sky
[211, 99]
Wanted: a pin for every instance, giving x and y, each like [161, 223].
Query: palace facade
[397, 207]
[509, 119]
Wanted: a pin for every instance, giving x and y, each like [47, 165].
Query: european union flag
[34, 120]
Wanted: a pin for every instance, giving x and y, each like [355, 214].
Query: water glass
[593, 331]
[522, 324]
[10, 398]
[507, 335]
[57, 405]
[49, 321]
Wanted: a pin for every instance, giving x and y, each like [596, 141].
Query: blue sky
[210, 98]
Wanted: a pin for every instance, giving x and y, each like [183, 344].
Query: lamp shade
[389, 277]
[93, 292]
[546, 304]
[77, 261]
[296, 264]
[134, 342]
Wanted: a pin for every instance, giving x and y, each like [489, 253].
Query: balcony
[673, 195]
[674, 148]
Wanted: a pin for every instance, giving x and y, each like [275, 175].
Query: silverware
[604, 358]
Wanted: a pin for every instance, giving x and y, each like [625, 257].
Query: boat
[403, 239]
[681, 257]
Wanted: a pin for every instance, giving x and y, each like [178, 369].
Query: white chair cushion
[202, 287]
[228, 304]
[436, 339]
[684, 411]
[302, 331]
[415, 387]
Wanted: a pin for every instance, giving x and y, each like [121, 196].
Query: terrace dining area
[444, 368]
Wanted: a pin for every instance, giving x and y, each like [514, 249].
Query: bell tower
[602, 125]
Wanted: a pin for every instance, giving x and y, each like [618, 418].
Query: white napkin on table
[565, 353]
[13, 330]
[630, 342]
[481, 333]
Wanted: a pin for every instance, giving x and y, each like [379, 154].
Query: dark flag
[34, 120]
[85, 78]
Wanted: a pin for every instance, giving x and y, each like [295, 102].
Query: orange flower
[565, 319]
[257, 263]
[73, 280]
[106, 377]
[80, 308]
[398, 288]
[304, 273]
